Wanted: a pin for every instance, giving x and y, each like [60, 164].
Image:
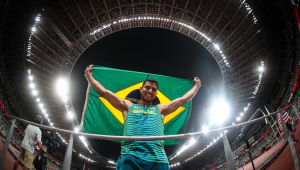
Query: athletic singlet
[144, 121]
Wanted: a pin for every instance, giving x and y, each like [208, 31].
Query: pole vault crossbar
[147, 138]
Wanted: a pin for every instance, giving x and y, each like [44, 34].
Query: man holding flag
[142, 119]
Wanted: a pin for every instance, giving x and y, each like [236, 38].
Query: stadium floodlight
[64, 98]
[84, 142]
[81, 138]
[62, 86]
[219, 111]
[34, 92]
[261, 69]
[70, 115]
[33, 29]
[238, 119]
[30, 78]
[31, 85]
[41, 105]
[204, 129]
[192, 141]
[44, 111]
[38, 100]
[245, 109]
[241, 114]
[109, 161]
[51, 124]
[37, 19]
[46, 115]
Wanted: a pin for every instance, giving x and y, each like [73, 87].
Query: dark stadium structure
[241, 35]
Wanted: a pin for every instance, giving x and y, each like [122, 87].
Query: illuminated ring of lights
[68, 58]
[78, 48]
[223, 62]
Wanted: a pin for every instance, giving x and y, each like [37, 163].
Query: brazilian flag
[100, 117]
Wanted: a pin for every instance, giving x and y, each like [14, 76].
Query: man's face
[148, 91]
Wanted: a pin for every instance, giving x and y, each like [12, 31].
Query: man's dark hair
[150, 80]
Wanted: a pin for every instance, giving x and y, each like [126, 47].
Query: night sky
[151, 50]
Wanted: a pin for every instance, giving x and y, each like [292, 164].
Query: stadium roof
[48, 37]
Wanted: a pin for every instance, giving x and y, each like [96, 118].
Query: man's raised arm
[113, 99]
[167, 108]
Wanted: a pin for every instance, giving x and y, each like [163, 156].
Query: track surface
[9, 160]
[285, 159]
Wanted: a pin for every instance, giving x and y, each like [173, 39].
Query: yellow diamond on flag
[123, 93]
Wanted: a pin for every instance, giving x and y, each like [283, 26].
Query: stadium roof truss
[240, 35]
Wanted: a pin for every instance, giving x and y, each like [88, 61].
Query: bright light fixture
[62, 87]
[30, 78]
[32, 85]
[76, 129]
[261, 69]
[192, 141]
[34, 92]
[109, 161]
[70, 115]
[38, 99]
[37, 19]
[217, 46]
[219, 111]
[238, 119]
[64, 98]
[204, 129]
[33, 29]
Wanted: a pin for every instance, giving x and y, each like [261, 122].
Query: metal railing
[227, 148]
